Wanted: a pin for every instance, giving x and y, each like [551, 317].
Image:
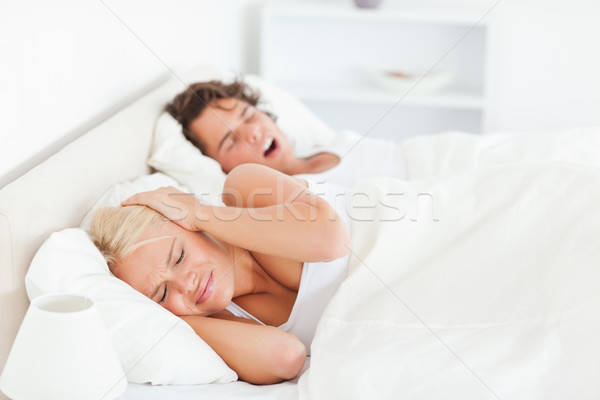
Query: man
[223, 121]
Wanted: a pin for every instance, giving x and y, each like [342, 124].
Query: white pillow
[177, 157]
[174, 155]
[152, 344]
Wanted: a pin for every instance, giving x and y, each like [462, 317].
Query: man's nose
[250, 133]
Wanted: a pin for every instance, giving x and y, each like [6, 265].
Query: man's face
[235, 133]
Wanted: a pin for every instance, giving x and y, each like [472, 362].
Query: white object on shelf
[410, 82]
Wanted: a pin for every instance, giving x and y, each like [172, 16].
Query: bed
[441, 351]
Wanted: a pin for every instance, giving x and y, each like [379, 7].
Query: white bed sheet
[490, 289]
[227, 391]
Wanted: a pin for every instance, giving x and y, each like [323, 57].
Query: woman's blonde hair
[116, 230]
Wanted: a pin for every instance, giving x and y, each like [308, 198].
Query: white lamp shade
[62, 351]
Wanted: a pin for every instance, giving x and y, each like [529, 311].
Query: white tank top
[318, 282]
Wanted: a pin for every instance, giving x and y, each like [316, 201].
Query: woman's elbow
[335, 242]
[343, 241]
[289, 358]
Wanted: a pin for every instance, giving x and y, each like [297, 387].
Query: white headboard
[58, 192]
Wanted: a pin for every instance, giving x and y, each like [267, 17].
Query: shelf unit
[324, 53]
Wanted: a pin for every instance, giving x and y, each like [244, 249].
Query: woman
[251, 254]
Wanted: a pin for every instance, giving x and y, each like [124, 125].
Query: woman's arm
[258, 354]
[268, 212]
[277, 215]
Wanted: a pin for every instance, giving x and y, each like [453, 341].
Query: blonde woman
[239, 275]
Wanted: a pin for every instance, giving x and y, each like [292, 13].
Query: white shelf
[453, 98]
[319, 51]
[384, 13]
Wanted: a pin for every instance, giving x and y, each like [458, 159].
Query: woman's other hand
[180, 207]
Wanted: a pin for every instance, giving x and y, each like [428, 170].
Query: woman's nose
[187, 281]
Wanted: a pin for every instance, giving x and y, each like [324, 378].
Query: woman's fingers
[146, 198]
[174, 204]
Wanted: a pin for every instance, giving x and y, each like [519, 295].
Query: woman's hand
[182, 208]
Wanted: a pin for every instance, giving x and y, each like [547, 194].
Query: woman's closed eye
[164, 296]
[179, 260]
[180, 257]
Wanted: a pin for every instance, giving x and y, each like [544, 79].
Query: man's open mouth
[269, 146]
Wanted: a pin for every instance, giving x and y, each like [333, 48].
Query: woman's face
[188, 273]
[235, 133]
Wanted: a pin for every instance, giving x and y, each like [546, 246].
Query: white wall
[545, 65]
[67, 64]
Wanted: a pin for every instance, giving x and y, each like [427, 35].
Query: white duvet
[481, 280]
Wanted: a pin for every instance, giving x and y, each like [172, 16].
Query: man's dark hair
[189, 104]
